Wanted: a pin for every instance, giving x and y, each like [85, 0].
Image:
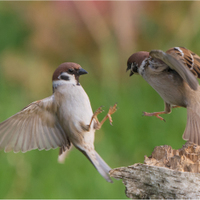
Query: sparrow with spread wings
[173, 74]
[61, 120]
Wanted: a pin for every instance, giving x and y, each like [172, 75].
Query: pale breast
[74, 107]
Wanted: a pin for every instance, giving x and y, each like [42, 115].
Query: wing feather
[52, 134]
[13, 137]
[6, 132]
[189, 58]
[29, 141]
[35, 127]
[62, 136]
[25, 134]
[36, 133]
[33, 140]
[50, 143]
[178, 66]
[42, 137]
[17, 141]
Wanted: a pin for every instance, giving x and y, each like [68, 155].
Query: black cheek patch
[64, 77]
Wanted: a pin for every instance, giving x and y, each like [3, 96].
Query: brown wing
[35, 127]
[189, 58]
[176, 63]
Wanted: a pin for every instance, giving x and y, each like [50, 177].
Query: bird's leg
[94, 116]
[176, 106]
[97, 124]
[111, 111]
[157, 114]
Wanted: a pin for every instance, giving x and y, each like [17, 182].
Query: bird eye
[71, 70]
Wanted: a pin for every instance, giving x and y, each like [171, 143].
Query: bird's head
[135, 60]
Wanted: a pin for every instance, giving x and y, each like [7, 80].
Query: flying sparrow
[173, 74]
[61, 120]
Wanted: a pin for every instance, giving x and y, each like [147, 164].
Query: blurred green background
[36, 37]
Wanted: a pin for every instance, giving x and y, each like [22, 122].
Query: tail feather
[63, 152]
[192, 130]
[102, 162]
[98, 163]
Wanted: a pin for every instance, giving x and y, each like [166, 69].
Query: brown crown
[138, 57]
[65, 67]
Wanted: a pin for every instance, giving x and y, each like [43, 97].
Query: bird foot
[111, 111]
[98, 111]
[156, 114]
[94, 116]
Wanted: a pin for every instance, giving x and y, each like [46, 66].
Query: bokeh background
[36, 37]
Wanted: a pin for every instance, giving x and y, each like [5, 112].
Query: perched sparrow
[63, 119]
[174, 76]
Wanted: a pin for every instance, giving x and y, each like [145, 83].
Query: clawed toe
[98, 111]
[156, 114]
[113, 109]
[94, 116]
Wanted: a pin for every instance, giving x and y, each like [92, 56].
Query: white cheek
[71, 80]
[58, 83]
[141, 68]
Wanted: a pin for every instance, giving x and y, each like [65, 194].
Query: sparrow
[173, 74]
[62, 120]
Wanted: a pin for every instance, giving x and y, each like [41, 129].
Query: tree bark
[167, 173]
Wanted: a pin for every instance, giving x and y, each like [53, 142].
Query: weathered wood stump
[167, 173]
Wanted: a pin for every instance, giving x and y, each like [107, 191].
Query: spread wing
[35, 127]
[189, 58]
[176, 62]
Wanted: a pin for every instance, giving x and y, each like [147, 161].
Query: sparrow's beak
[131, 73]
[128, 66]
[82, 71]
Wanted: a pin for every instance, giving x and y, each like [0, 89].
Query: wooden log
[167, 173]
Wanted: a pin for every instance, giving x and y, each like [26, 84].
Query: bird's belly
[173, 93]
[169, 97]
[74, 115]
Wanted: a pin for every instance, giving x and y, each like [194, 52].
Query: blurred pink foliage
[100, 33]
